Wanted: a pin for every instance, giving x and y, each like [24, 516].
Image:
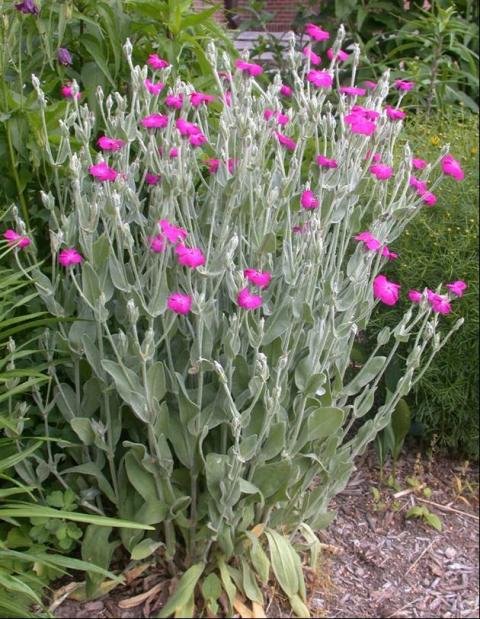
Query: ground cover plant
[218, 257]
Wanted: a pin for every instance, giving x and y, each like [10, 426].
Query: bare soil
[375, 562]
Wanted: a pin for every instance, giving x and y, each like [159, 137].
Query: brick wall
[284, 10]
[200, 5]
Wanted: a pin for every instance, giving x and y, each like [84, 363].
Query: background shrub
[442, 245]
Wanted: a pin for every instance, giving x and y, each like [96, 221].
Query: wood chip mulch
[375, 562]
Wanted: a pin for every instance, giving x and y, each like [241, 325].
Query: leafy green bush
[443, 243]
[210, 266]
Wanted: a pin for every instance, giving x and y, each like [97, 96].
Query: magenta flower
[394, 114]
[381, 171]
[152, 179]
[285, 90]
[419, 164]
[156, 62]
[268, 114]
[103, 172]
[106, 143]
[440, 304]
[198, 98]
[187, 128]
[67, 92]
[360, 124]
[174, 101]
[69, 257]
[429, 198]
[365, 112]
[370, 85]
[173, 154]
[179, 303]
[315, 32]
[452, 167]
[415, 296]
[457, 288]
[157, 243]
[64, 56]
[390, 255]
[249, 67]
[258, 278]
[341, 56]
[173, 234]
[155, 121]
[311, 55]
[197, 139]
[16, 240]
[419, 185]
[320, 79]
[325, 162]
[27, 6]
[386, 291]
[369, 240]
[213, 165]
[282, 119]
[286, 141]
[154, 89]
[352, 91]
[308, 200]
[403, 85]
[189, 257]
[247, 300]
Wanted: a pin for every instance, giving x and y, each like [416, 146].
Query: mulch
[375, 562]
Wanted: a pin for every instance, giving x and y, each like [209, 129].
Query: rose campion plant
[218, 306]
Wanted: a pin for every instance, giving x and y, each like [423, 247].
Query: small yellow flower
[474, 150]
[435, 140]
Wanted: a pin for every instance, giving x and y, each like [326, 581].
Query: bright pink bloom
[325, 162]
[457, 288]
[189, 256]
[268, 114]
[103, 172]
[394, 114]
[258, 278]
[106, 143]
[67, 92]
[419, 185]
[155, 121]
[440, 304]
[361, 125]
[341, 56]
[419, 164]
[315, 32]
[320, 79]
[179, 303]
[452, 167]
[157, 243]
[198, 98]
[152, 179]
[247, 300]
[285, 90]
[369, 240]
[187, 128]
[390, 255]
[197, 139]
[370, 85]
[311, 55]
[415, 296]
[308, 200]
[173, 234]
[173, 154]
[286, 141]
[403, 85]
[174, 101]
[352, 91]
[249, 67]
[154, 89]
[429, 198]
[69, 257]
[16, 240]
[213, 165]
[156, 62]
[363, 111]
[386, 291]
[282, 119]
[381, 171]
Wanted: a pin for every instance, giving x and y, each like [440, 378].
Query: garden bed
[375, 562]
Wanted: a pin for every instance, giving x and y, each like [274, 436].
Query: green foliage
[442, 245]
[93, 31]
[426, 515]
